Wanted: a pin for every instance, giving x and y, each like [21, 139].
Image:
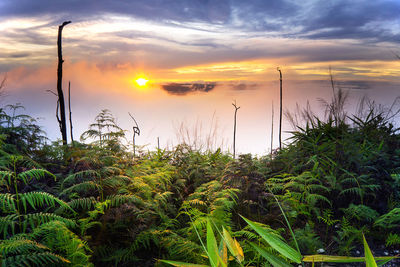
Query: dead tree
[62, 121]
[272, 128]
[234, 128]
[136, 131]
[280, 108]
[70, 112]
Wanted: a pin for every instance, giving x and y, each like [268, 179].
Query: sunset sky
[199, 56]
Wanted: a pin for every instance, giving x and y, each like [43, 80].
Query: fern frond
[389, 220]
[7, 201]
[8, 222]
[118, 200]
[34, 259]
[79, 175]
[20, 246]
[81, 187]
[5, 177]
[38, 174]
[40, 199]
[36, 219]
[83, 203]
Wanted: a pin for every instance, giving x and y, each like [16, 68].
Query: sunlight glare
[141, 82]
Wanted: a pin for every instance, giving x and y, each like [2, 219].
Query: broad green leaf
[275, 242]
[273, 259]
[212, 248]
[369, 258]
[183, 264]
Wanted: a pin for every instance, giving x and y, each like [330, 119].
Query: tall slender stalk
[70, 112]
[234, 128]
[272, 128]
[280, 108]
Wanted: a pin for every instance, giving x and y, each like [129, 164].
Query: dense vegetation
[337, 179]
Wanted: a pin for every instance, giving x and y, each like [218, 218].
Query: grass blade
[369, 258]
[212, 247]
[182, 264]
[275, 242]
[273, 259]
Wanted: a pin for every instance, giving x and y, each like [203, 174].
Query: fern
[7, 201]
[81, 187]
[36, 219]
[41, 199]
[361, 213]
[20, 246]
[81, 175]
[389, 220]
[7, 223]
[392, 240]
[82, 203]
[38, 174]
[59, 238]
[34, 259]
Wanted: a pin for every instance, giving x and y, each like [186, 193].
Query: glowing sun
[141, 82]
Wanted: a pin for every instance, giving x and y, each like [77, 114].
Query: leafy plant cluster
[94, 204]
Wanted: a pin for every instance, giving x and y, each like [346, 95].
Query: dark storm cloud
[186, 88]
[353, 19]
[322, 19]
[341, 19]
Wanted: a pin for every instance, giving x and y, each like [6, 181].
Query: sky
[199, 57]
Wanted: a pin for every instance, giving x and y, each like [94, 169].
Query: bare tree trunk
[280, 109]
[272, 128]
[70, 112]
[158, 143]
[234, 129]
[62, 121]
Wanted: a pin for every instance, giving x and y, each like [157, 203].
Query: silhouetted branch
[63, 127]
[136, 130]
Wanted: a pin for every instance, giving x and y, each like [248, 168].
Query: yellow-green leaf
[234, 247]
[369, 258]
[339, 259]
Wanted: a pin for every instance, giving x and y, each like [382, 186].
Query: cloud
[186, 88]
[354, 20]
[159, 34]
[243, 86]
[313, 19]
[355, 85]
[214, 11]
